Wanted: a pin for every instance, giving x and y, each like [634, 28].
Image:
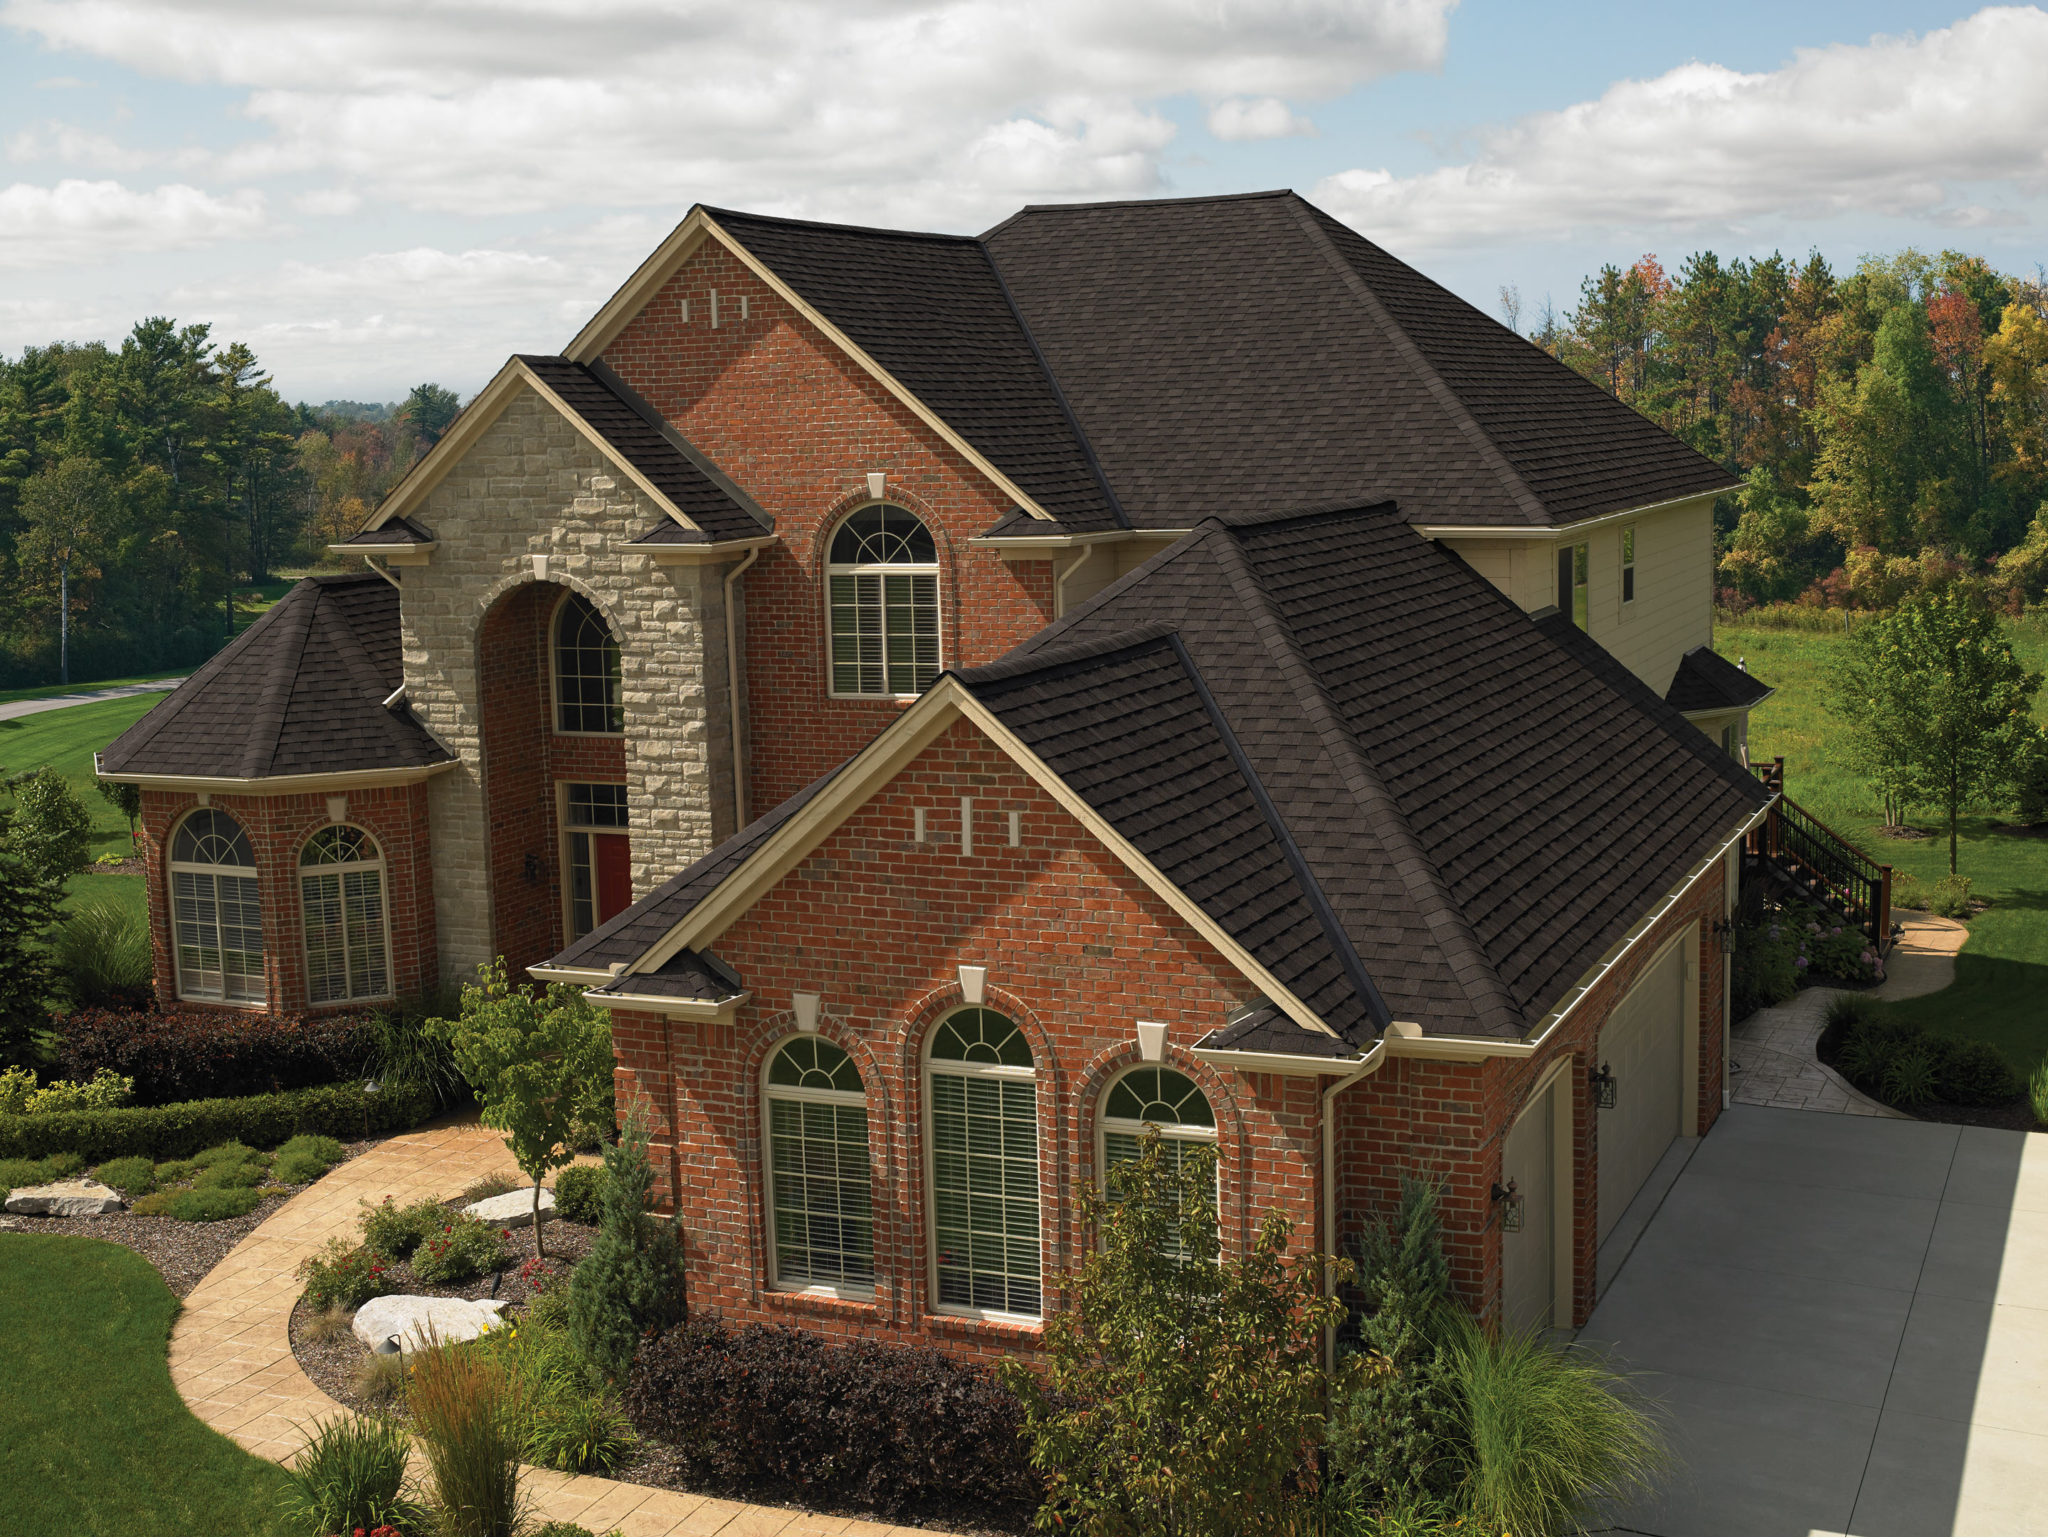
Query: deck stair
[1795, 850]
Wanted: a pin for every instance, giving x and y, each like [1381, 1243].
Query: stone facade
[532, 485]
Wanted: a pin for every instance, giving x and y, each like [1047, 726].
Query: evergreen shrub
[177, 1131]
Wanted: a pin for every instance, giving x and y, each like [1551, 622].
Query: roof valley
[1493, 1005]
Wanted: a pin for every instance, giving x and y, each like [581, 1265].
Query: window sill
[1011, 1328]
[823, 1304]
[874, 698]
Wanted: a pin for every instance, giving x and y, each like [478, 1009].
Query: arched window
[586, 671]
[882, 579]
[216, 912]
[982, 1096]
[341, 887]
[821, 1222]
[1154, 1098]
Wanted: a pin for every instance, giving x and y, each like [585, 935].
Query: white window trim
[769, 1094]
[931, 1202]
[555, 670]
[174, 867]
[825, 593]
[1107, 1126]
[1622, 540]
[383, 868]
[565, 829]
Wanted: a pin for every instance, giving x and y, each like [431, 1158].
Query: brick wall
[784, 412]
[532, 485]
[278, 827]
[1077, 951]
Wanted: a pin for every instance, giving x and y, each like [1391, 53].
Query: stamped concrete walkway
[1774, 1064]
[231, 1353]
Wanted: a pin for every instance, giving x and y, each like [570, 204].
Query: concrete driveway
[1846, 1320]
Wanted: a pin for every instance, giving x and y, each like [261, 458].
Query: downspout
[732, 690]
[371, 562]
[1059, 581]
[1371, 1063]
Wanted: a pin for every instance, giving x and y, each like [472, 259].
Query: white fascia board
[1558, 532]
[1279, 1062]
[701, 554]
[281, 784]
[720, 1011]
[681, 244]
[595, 977]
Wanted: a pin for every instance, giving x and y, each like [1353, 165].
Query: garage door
[1642, 1044]
[1528, 1255]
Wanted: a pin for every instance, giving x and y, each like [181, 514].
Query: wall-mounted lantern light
[1601, 1081]
[1509, 1200]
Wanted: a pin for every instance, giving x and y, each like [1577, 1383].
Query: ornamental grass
[466, 1409]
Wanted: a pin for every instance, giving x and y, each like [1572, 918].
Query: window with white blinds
[820, 1197]
[216, 911]
[341, 892]
[982, 1100]
[882, 593]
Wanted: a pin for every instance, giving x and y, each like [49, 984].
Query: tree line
[1890, 424]
[142, 486]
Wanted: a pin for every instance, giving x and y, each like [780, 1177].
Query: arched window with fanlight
[341, 889]
[882, 587]
[821, 1221]
[587, 687]
[981, 1096]
[1154, 1099]
[216, 911]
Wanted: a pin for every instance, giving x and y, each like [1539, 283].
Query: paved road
[85, 696]
[1847, 1321]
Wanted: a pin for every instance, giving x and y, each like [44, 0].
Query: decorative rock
[66, 1198]
[513, 1209]
[419, 1321]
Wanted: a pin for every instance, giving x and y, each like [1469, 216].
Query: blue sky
[378, 192]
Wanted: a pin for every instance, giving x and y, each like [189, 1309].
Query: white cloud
[943, 111]
[88, 221]
[1899, 126]
[1268, 117]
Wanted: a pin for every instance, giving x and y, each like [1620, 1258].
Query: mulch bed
[182, 1251]
[2014, 1115]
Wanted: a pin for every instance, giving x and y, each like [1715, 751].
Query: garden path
[1774, 1061]
[231, 1353]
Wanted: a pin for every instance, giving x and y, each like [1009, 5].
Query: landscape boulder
[66, 1198]
[420, 1321]
[512, 1209]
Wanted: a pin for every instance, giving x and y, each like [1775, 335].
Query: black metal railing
[1822, 864]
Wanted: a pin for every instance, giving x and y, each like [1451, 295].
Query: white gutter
[719, 1011]
[282, 784]
[1554, 530]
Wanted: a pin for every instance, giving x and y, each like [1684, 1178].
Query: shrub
[16, 1085]
[190, 1054]
[573, 1422]
[1949, 897]
[199, 1205]
[350, 1476]
[344, 1275]
[305, 1158]
[490, 1185]
[28, 906]
[381, 1379]
[1182, 1389]
[1909, 1076]
[884, 1427]
[131, 1176]
[464, 1249]
[404, 1050]
[578, 1193]
[1765, 973]
[2037, 1094]
[227, 1175]
[19, 1173]
[631, 1282]
[465, 1407]
[51, 827]
[102, 957]
[107, 1091]
[1968, 1072]
[1548, 1433]
[174, 1131]
[394, 1231]
[1391, 1432]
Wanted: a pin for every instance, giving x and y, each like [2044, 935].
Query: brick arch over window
[884, 622]
[1233, 1146]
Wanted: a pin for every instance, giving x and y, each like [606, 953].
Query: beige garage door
[1642, 1044]
[1528, 1254]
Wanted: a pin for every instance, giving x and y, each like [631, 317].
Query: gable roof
[1381, 782]
[1707, 680]
[300, 692]
[706, 506]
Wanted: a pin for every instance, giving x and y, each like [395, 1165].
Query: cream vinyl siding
[1673, 609]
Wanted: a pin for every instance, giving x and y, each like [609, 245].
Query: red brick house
[959, 701]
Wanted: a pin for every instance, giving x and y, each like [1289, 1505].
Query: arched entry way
[554, 770]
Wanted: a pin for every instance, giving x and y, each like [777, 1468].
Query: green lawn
[2002, 974]
[93, 1436]
[68, 738]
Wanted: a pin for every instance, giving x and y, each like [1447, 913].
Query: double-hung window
[981, 1094]
[1155, 1099]
[216, 911]
[1574, 563]
[882, 597]
[821, 1221]
[341, 889]
[1628, 564]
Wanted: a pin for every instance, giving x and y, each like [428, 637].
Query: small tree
[1183, 1392]
[541, 1065]
[1937, 702]
[28, 908]
[126, 799]
[50, 830]
[632, 1281]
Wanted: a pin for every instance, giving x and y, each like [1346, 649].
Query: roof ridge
[348, 645]
[1381, 813]
[1139, 202]
[1059, 393]
[1339, 937]
[267, 716]
[1511, 480]
[857, 229]
[1018, 665]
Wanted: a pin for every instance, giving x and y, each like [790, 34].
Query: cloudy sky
[380, 192]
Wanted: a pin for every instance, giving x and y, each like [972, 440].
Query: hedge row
[193, 1054]
[178, 1131]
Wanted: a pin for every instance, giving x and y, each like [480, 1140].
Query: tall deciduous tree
[65, 511]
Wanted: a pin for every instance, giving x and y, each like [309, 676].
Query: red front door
[611, 857]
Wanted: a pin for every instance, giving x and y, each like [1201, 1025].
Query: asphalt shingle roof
[1706, 680]
[301, 691]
